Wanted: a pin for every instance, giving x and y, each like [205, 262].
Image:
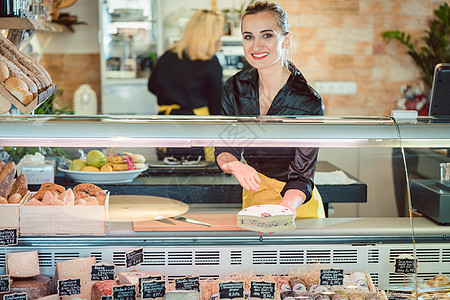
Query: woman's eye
[247, 37]
[267, 35]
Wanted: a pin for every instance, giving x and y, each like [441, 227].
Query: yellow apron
[200, 111]
[269, 193]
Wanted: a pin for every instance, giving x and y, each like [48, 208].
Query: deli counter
[367, 234]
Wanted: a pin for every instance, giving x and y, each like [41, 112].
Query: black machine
[440, 92]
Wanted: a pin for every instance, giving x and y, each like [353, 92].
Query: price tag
[149, 278]
[4, 283]
[106, 298]
[153, 289]
[262, 289]
[8, 236]
[398, 298]
[102, 272]
[187, 284]
[124, 292]
[134, 257]
[331, 277]
[15, 296]
[405, 265]
[231, 290]
[69, 287]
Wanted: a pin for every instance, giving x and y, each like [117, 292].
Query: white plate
[103, 177]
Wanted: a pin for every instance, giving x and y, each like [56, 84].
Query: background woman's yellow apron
[269, 193]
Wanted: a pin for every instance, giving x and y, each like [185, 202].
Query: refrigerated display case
[131, 40]
[368, 240]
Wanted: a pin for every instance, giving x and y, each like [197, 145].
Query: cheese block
[35, 287]
[266, 218]
[132, 277]
[182, 295]
[23, 264]
[102, 288]
[74, 269]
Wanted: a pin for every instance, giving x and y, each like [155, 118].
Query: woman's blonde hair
[201, 36]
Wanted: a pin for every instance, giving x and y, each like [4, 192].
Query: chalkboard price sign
[124, 292]
[153, 289]
[188, 284]
[134, 257]
[405, 265]
[16, 296]
[102, 272]
[231, 290]
[69, 287]
[8, 236]
[398, 298]
[149, 278]
[262, 289]
[106, 298]
[331, 277]
[4, 283]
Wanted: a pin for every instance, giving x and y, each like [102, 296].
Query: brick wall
[334, 40]
[69, 71]
[340, 40]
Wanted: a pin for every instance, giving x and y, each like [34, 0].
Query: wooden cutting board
[219, 222]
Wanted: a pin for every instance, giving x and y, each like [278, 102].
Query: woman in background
[274, 86]
[187, 79]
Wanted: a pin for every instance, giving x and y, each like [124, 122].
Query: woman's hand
[293, 199]
[247, 176]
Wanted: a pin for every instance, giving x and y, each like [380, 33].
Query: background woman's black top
[188, 83]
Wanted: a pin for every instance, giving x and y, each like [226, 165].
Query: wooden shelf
[31, 24]
[6, 99]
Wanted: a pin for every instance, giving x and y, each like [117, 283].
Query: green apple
[77, 165]
[95, 158]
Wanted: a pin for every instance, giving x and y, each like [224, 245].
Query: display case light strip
[215, 142]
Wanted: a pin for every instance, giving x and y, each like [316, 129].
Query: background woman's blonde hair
[201, 36]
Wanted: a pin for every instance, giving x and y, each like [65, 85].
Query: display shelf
[31, 24]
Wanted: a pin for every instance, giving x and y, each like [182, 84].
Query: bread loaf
[20, 185]
[2, 164]
[7, 179]
[4, 72]
[19, 89]
[16, 72]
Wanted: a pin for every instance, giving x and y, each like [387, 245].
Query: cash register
[431, 197]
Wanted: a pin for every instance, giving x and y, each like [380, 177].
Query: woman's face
[262, 40]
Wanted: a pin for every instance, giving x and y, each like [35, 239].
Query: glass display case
[365, 166]
[131, 40]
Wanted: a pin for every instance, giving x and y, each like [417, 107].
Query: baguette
[28, 62]
[7, 179]
[20, 185]
[19, 89]
[16, 72]
[40, 84]
[4, 72]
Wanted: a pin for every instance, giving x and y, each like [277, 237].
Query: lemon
[106, 168]
[95, 158]
[90, 169]
[77, 165]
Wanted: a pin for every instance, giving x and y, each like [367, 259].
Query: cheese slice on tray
[266, 218]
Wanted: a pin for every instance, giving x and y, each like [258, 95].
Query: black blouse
[188, 83]
[295, 166]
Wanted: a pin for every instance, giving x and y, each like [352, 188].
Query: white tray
[103, 177]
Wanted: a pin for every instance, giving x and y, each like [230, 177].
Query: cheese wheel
[132, 277]
[35, 287]
[266, 218]
[23, 264]
[182, 295]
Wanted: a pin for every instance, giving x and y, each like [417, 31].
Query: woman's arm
[247, 176]
[293, 199]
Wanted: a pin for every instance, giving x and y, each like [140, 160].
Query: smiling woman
[274, 86]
